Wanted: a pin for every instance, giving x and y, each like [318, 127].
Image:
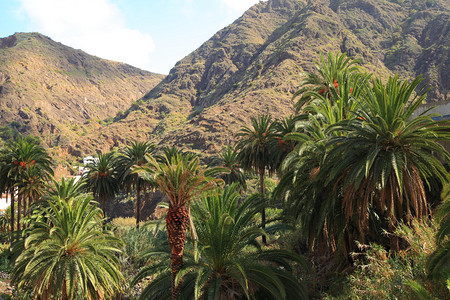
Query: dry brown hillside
[59, 93]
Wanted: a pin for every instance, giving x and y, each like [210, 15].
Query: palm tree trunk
[393, 239]
[104, 205]
[19, 207]
[138, 201]
[26, 204]
[64, 291]
[263, 193]
[12, 212]
[177, 221]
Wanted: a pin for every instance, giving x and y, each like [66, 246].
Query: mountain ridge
[57, 92]
[255, 64]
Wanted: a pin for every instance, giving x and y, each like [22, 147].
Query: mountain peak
[59, 93]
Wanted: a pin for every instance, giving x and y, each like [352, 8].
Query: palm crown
[134, 155]
[102, 178]
[66, 254]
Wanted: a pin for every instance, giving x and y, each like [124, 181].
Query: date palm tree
[325, 99]
[182, 180]
[24, 166]
[281, 144]
[134, 155]
[327, 82]
[229, 263]
[66, 189]
[255, 151]
[103, 178]
[67, 255]
[384, 156]
[228, 158]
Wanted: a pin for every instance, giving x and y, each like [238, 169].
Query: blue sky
[149, 34]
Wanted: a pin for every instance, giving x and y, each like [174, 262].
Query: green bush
[380, 274]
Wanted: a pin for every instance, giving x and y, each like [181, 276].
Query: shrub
[383, 275]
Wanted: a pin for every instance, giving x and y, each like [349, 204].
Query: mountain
[59, 93]
[83, 104]
[254, 66]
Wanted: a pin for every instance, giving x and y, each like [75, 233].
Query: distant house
[90, 160]
[86, 161]
[83, 170]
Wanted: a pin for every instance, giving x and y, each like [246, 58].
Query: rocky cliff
[252, 66]
[255, 64]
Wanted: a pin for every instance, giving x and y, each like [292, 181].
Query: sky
[149, 34]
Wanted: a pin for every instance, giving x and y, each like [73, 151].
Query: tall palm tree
[254, 146]
[31, 187]
[103, 178]
[24, 167]
[228, 158]
[182, 180]
[134, 155]
[282, 145]
[67, 255]
[7, 183]
[383, 156]
[306, 196]
[229, 264]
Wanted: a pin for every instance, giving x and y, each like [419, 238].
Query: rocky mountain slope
[252, 66]
[59, 93]
[255, 64]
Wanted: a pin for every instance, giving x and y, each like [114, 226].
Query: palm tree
[282, 145]
[172, 152]
[182, 180]
[134, 155]
[24, 167]
[7, 183]
[228, 158]
[229, 263]
[254, 146]
[103, 178]
[328, 82]
[67, 255]
[309, 198]
[383, 156]
[31, 187]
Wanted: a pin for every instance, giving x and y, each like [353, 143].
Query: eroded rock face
[250, 67]
[255, 65]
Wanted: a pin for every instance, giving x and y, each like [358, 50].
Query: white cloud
[239, 5]
[95, 26]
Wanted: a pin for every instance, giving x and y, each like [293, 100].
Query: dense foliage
[229, 263]
[66, 254]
